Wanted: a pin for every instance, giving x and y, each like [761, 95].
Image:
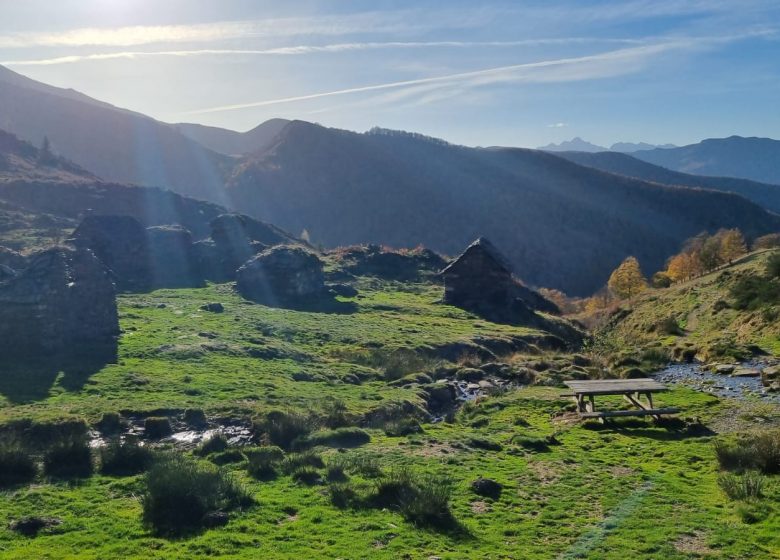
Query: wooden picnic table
[631, 389]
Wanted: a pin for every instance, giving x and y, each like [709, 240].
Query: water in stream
[722, 385]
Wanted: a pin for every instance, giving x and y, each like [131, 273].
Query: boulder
[487, 487]
[63, 301]
[770, 375]
[724, 369]
[281, 276]
[172, 257]
[746, 372]
[121, 243]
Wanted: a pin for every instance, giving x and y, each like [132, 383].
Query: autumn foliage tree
[627, 280]
[705, 252]
[732, 245]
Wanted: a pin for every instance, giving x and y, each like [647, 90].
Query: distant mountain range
[757, 159]
[763, 194]
[561, 222]
[577, 144]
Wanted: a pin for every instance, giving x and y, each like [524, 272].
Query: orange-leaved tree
[627, 279]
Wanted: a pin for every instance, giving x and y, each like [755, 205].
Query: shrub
[422, 499]
[669, 326]
[342, 495]
[749, 486]
[109, 423]
[295, 461]
[306, 475]
[70, 457]
[402, 427]
[773, 265]
[227, 457]
[283, 428]
[335, 473]
[181, 494]
[362, 464]
[340, 437]
[195, 418]
[759, 451]
[214, 444]
[263, 461]
[753, 292]
[125, 458]
[157, 427]
[16, 464]
[335, 413]
[482, 443]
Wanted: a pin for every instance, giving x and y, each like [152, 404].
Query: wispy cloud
[314, 49]
[558, 125]
[607, 64]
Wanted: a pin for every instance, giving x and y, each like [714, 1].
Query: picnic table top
[616, 386]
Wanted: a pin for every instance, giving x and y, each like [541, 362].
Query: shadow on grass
[31, 379]
[666, 429]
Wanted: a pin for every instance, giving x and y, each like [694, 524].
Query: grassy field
[570, 490]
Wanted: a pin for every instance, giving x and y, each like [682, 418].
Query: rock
[120, 242]
[770, 375]
[724, 369]
[63, 302]
[439, 396]
[373, 260]
[172, 258]
[281, 276]
[487, 487]
[746, 372]
[213, 307]
[471, 375]
[215, 519]
[31, 526]
[774, 387]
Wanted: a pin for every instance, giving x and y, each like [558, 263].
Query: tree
[732, 245]
[681, 266]
[769, 241]
[661, 280]
[627, 280]
[710, 253]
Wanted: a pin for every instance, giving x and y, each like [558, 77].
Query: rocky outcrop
[172, 257]
[282, 276]
[64, 301]
[373, 260]
[121, 243]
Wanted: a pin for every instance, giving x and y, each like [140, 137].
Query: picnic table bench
[631, 389]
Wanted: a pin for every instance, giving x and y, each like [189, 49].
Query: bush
[125, 458]
[482, 443]
[295, 461]
[336, 473]
[182, 494]
[669, 326]
[422, 499]
[227, 457]
[362, 464]
[335, 414]
[754, 292]
[16, 464]
[68, 458]
[759, 452]
[661, 280]
[340, 437]
[263, 461]
[109, 423]
[157, 427]
[402, 427]
[283, 428]
[195, 418]
[306, 475]
[749, 486]
[214, 444]
[773, 266]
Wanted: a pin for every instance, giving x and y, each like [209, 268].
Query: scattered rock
[724, 369]
[215, 519]
[746, 372]
[214, 307]
[472, 375]
[487, 487]
[281, 276]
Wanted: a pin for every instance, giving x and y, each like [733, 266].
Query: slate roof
[484, 245]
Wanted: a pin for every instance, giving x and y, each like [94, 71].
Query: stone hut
[63, 302]
[282, 276]
[479, 276]
[121, 243]
[172, 257]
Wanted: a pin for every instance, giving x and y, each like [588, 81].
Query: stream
[720, 384]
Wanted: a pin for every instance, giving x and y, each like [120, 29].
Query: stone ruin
[480, 280]
[381, 262]
[121, 243]
[172, 257]
[282, 276]
[62, 302]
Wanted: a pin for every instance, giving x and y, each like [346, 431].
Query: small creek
[722, 385]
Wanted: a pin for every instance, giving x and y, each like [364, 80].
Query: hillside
[757, 159]
[560, 224]
[701, 317]
[762, 194]
[229, 142]
[116, 144]
[21, 160]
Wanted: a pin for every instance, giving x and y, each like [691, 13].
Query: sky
[512, 73]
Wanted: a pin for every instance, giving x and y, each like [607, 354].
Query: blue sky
[520, 73]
